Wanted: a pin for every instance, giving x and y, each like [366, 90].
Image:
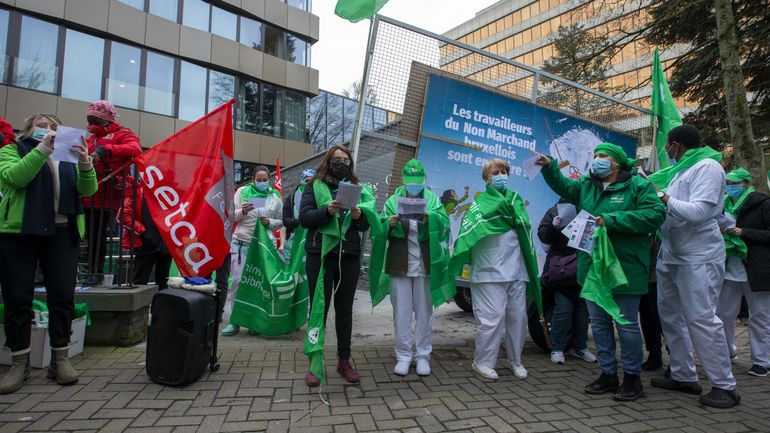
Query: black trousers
[347, 277]
[98, 220]
[58, 256]
[144, 264]
[649, 319]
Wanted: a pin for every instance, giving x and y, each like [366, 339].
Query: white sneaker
[519, 371]
[557, 357]
[423, 367]
[485, 372]
[584, 354]
[402, 368]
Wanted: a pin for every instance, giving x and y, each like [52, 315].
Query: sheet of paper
[530, 167]
[348, 195]
[411, 208]
[580, 232]
[725, 221]
[66, 139]
[259, 205]
[566, 213]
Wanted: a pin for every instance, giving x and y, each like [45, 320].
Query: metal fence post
[356, 138]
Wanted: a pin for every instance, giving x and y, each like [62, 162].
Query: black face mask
[340, 171]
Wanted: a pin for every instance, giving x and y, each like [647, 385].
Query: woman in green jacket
[41, 220]
[628, 207]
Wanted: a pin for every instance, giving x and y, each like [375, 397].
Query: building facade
[164, 63]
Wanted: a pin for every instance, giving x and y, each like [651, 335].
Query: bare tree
[354, 92]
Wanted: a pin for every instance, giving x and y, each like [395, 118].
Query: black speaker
[181, 336]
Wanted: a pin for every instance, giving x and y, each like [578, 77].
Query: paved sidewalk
[261, 388]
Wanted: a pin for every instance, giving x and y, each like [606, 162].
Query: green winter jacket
[16, 173]
[631, 210]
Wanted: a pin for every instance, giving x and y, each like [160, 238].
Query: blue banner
[464, 126]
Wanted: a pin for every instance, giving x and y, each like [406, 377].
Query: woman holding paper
[628, 208]
[41, 222]
[255, 203]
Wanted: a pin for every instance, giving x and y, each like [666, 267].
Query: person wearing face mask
[246, 218]
[111, 146]
[746, 271]
[342, 264]
[41, 222]
[495, 240]
[627, 206]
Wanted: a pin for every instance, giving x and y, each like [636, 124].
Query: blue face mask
[39, 133]
[601, 167]
[415, 188]
[734, 191]
[500, 181]
[262, 186]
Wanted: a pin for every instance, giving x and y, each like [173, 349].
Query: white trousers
[759, 318]
[237, 260]
[687, 298]
[411, 296]
[499, 306]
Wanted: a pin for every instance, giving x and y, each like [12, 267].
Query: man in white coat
[691, 269]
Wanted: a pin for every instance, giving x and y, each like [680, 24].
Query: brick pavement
[261, 388]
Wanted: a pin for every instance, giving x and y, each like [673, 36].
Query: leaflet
[580, 232]
[348, 195]
[411, 208]
[259, 205]
[566, 212]
[66, 139]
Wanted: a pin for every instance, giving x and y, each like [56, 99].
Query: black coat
[754, 220]
[312, 218]
[289, 221]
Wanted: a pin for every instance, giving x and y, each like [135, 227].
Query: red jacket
[6, 129]
[115, 150]
[130, 216]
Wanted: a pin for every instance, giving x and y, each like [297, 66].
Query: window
[224, 23]
[297, 50]
[334, 120]
[82, 75]
[3, 43]
[165, 9]
[272, 105]
[195, 14]
[299, 4]
[192, 91]
[159, 87]
[248, 106]
[125, 70]
[138, 4]
[36, 65]
[316, 121]
[275, 42]
[221, 89]
[350, 119]
[251, 33]
[296, 105]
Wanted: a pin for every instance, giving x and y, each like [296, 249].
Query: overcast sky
[339, 54]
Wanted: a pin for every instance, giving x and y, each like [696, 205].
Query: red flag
[188, 183]
[279, 187]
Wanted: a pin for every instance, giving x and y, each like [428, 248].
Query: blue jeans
[631, 350]
[568, 315]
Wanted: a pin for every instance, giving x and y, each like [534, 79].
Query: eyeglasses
[337, 160]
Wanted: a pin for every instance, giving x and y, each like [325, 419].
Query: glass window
[334, 120]
[297, 50]
[350, 119]
[159, 84]
[195, 14]
[36, 65]
[316, 121]
[3, 43]
[380, 118]
[82, 76]
[271, 110]
[123, 80]
[251, 33]
[139, 4]
[192, 91]
[224, 23]
[275, 42]
[221, 89]
[248, 106]
[296, 106]
[165, 9]
[299, 4]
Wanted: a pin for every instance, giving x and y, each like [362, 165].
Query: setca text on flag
[188, 183]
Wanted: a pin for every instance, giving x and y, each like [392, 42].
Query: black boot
[674, 385]
[654, 362]
[605, 383]
[631, 388]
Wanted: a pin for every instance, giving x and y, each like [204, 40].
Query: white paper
[566, 213]
[411, 208]
[580, 232]
[531, 168]
[725, 221]
[348, 195]
[259, 205]
[66, 139]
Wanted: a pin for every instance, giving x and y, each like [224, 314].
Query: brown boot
[17, 375]
[60, 368]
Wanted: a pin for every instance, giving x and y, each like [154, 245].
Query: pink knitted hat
[103, 110]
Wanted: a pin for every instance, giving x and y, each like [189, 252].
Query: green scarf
[493, 213]
[663, 177]
[605, 274]
[734, 245]
[251, 192]
[436, 232]
[332, 234]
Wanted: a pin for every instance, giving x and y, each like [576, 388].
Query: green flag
[332, 233]
[357, 10]
[493, 213]
[734, 245]
[663, 110]
[604, 275]
[272, 295]
[436, 232]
